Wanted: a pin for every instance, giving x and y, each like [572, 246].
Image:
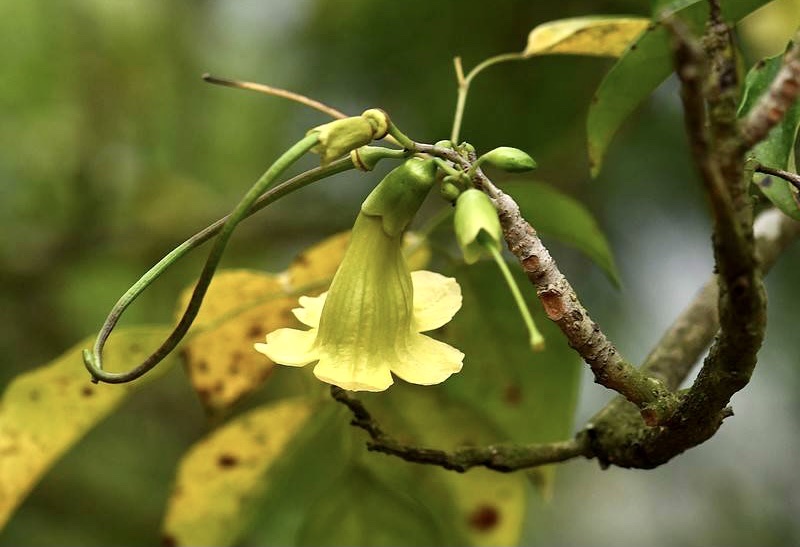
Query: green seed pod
[512, 160]
[476, 224]
[398, 197]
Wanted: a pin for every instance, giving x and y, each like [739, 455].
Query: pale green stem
[93, 360]
[447, 168]
[535, 337]
[463, 88]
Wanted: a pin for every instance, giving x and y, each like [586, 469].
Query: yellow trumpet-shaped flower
[369, 324]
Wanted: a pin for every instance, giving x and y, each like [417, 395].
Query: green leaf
[306, 472]
[776, 150]
[558, 215]
[530, 397]
[481, 507]
[361, 510]
[44, 412]
[220, 476]
[641, 69]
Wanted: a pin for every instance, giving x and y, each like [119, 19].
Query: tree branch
[617, 434]
[499, 457]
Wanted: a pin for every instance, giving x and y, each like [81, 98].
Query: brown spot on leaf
[34, 395]
[255, 331]
[204, 394]
[301, 260]
[484, 518]
[169, 541]
[236, 360]
[512, 395]
[87, 391]
[218, 387]
[226, 461]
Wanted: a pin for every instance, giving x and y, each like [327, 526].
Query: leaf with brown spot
[602, 35]
[240, 308]
[429, 416]
[44, 412]
[211, 502]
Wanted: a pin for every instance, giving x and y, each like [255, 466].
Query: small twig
[460, 80]
[276, 92]
[791, 178]
[499, 457]
[772, 106]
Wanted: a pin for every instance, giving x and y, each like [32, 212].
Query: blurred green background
[112, 151]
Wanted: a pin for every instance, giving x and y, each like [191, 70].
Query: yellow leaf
[315, 266]
[220, 474]
[604, 36]
[46, 411]
[240, 308]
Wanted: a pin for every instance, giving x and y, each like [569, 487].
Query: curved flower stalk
[369, 324]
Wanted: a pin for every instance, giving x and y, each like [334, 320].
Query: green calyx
[339, 137]
[398, 197]
[476, 225]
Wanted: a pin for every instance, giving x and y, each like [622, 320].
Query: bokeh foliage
[113, 151]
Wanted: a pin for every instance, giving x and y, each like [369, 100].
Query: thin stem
[791, 178]
[401, 138]
[93, 360]
[464, 83]
[535, 337]
[447, 168]
[276, 92]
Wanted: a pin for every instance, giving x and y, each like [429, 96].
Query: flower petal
[353, 375]
[290, 347]
[310, 310]
[428, 361]
[436, 299]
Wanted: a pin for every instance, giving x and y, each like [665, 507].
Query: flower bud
[512, 160]
[339, 137]
[449, 191]
[476, 224]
